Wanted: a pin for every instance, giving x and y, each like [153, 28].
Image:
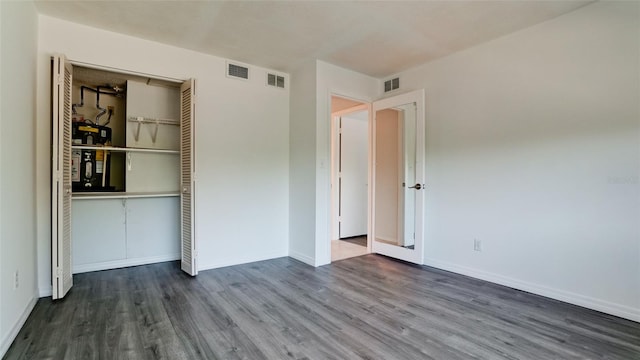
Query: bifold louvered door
[187, 178]
[61, 264]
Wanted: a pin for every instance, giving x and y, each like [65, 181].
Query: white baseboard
[77, 269]
[304, 258]
[6, 342]
[239, 261]
[565, 296]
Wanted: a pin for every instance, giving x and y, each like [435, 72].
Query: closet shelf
[157, 122]
[124, 149]
[122, 195]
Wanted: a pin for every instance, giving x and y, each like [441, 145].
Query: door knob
[416, 186]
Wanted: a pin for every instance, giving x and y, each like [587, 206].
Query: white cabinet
[98, 233]
[122, 178]
[112, 233]
[153, 229]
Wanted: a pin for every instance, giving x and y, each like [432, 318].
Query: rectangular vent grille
[275, 80]
[238, 71]
[392, 84]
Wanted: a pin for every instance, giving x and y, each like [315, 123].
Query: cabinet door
[187, 178]
[99, 238]
[153, 229]
[61, 277]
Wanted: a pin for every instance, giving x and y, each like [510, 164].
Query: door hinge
[58, 273]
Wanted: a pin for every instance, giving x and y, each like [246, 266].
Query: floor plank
[368, 307]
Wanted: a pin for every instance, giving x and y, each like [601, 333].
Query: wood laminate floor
[368, 307]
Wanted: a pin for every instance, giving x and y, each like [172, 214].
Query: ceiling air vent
[237, 71]
[392, 84]
[275, 80]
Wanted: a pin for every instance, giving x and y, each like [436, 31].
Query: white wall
[17, 173]
[242, 160]
[533, 147]
[312, 87]
[302, 146]
[332, 80]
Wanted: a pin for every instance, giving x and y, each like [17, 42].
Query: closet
[122, 171]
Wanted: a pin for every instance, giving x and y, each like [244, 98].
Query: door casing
[415, 255]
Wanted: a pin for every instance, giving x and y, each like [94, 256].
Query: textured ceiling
[378, 38]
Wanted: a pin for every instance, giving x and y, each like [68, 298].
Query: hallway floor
[344, 249]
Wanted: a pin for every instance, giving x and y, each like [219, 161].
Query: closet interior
[125, 170]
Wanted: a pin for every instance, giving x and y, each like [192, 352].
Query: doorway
[349, 178]
[395, 185]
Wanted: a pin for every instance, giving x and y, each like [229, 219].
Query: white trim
[125, 72]
[301, 257]
[335, 177]
[8, 340]
[107, 265]
[365, 105]
[416, 254]
[335, 159]
[240, 261]
[557, 294]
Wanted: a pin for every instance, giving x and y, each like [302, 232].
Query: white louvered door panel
[61, 264]
[187, 181]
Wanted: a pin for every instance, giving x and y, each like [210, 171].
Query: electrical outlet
[16, 282]
[477, 245]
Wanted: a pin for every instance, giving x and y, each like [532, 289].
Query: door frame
[365, 105]
[335, 158]
[54, 108]
[417, 255]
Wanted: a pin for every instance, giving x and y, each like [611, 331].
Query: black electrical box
[90, 169]
[90, 134]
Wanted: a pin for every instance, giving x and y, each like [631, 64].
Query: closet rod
[146, 120]
[142, 120]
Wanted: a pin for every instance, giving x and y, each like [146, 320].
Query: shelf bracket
[154, 136]
[140, 120]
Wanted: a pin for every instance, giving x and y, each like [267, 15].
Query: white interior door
[398, 177]
[61, 265]
[353, 174]
[187, 178]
